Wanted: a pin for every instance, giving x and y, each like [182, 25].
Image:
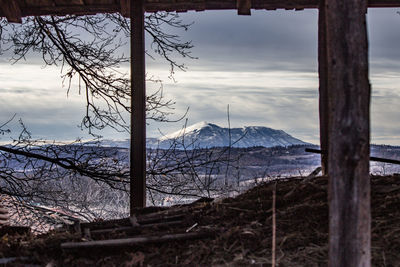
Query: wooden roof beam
[11, 10]
[68, 10]
[15, 9]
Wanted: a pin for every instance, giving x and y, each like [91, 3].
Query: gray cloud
[264, 41]
[264, 66]
[384, 33]
[282, 41]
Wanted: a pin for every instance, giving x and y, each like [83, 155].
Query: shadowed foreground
[241, 231]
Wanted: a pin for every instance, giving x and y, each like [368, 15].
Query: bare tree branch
[90, 51]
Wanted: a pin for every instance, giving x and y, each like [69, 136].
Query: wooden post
[138, 105]
[349, 128]
[323, 87]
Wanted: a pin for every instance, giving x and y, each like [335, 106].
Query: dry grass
[243, 227]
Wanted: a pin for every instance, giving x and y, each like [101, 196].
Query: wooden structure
[15, 9]
[344, 98]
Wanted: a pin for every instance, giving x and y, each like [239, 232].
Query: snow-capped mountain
[203, 134]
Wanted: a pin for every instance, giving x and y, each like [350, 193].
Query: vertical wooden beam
[323, 88]
[349, 129]
[138, 105]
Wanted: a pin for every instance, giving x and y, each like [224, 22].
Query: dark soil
[242, 228]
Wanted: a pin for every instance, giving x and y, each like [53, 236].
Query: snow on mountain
[190, 129]
[203, 134]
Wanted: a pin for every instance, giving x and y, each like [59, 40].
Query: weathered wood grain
[80, 7]
[138, 106]
[323, 88]
[134, 240]
[349, 133]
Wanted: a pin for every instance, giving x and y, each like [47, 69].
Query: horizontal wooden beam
[255, 4]
[377, 159]
[66, 10]
[124, 242]
[9, 8]
[131, 229]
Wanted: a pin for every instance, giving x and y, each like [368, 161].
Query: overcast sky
[264, 66]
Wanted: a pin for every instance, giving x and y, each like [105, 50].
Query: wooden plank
[134, 241]
[130, 229]
[323, 93]
[243, 7]
[161, 218]
[126, 222]
[349, 134]
[11, 10]
[106, 224]
[377, 159]
[69, 10]
[138, 109]
[255, 4]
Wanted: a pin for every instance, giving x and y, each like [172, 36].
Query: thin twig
[274, 225]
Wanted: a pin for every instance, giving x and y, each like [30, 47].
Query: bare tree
[92, 181]
[91, 50]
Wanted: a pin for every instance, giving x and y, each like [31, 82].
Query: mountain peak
[194, 128]
[204, 134]
[197, 126]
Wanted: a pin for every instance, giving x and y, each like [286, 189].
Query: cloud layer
[263, 66]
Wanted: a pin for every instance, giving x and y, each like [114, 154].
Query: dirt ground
[241, 232]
